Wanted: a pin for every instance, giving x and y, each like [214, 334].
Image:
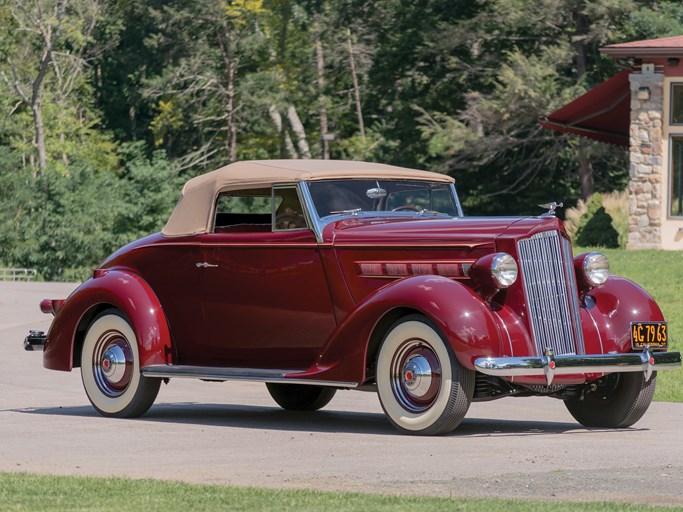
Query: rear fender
[460, 314]
[119, 289]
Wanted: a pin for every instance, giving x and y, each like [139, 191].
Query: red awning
[603, 113]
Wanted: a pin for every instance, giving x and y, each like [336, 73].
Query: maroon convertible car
[313, 276]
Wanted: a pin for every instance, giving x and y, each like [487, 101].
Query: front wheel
[422, 387]
[617, 400]
[300, 397]
[110, 368]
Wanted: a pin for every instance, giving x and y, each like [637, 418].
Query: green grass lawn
[661, 274]
[27, 492]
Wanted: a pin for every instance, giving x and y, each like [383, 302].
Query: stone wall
[646, 162]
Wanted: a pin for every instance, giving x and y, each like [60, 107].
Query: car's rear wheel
[422, 387]
[110, 368]
[300, 397]
[618, 400]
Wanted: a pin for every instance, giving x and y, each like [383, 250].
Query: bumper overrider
[550, 365]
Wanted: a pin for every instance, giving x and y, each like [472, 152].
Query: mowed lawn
[34, 493]
[661, 274]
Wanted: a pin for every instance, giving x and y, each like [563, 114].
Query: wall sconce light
[673, 62]
[643, 93]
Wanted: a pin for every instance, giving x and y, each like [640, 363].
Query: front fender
[123, 290]
[612, 307]
[460, 314]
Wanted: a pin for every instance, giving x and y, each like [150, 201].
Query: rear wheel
[110, 368]
[422, 387]
[300, 397]
[618, 401]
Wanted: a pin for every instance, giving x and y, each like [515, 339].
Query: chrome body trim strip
[219, 374]
[551, 365]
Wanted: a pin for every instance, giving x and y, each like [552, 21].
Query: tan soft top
[194, 210]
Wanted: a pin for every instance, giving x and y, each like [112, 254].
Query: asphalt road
[232, 433]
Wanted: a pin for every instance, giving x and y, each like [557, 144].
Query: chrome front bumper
[551, 365]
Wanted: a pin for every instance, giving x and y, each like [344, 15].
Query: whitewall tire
[421, 386]
[110, 368]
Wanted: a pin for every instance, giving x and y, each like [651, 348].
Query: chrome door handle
[204, 264]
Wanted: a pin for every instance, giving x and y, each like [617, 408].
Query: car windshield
[353, 197]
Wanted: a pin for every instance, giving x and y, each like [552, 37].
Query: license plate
[654, 334]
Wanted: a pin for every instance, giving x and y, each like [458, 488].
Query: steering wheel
[408, 207]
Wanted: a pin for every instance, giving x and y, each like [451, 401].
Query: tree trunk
[232, 131]
[320, 58]
[288, 151]
[585, 170]
[40, 133]
[225, 41]
[356, 89]
[298, 129]
[585, 165]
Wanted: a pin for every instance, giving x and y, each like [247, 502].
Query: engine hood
[463, 231]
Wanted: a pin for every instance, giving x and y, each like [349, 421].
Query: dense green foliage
[595, 227]
[26, 492]
[107, 106]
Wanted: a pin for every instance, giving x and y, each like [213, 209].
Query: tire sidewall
[397, 414]
[106, 405]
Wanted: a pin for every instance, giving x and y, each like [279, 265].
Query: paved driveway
[232, 433]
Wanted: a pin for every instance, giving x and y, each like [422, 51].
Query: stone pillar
[646, 161]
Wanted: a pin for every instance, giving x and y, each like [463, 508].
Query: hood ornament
[551, 208]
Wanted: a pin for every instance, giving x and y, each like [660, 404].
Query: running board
[166, 371]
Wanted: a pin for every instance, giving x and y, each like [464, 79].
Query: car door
[170, 269]
[264, 292]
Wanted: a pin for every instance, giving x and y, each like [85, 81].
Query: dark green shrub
[595, 227]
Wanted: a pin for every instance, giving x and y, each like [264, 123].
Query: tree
[196, 93]
[42, 23]
[523, 60]
[53, 38]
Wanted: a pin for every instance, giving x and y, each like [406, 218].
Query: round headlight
[504, 269]
[595, 268]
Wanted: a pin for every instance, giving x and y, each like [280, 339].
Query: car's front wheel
[617, 400]
[300, 397]
[110, 368]
[422, 387]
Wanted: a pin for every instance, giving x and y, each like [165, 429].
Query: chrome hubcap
[415, 375]
[112, 363]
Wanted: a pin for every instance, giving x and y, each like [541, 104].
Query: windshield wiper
[353, 211]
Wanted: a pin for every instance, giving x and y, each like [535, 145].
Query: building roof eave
[642, 53]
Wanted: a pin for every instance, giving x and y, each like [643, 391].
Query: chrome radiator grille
[550, 288]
